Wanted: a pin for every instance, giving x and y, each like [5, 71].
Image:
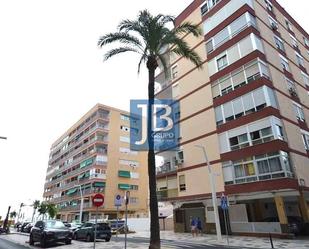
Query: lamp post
[81, 204]
[213, 193]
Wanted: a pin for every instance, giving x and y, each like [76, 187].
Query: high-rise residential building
[249, 107]
[94, 156]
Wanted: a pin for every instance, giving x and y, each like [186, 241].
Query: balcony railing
[97, 126]
[166, 168]
[86, 193]
[168, 193]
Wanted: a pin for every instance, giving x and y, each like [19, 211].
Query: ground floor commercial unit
[269, 210]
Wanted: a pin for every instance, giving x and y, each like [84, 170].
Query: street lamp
[81, 203]
[213, 193]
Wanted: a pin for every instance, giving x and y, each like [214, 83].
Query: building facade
[94, 156]
[249, 107]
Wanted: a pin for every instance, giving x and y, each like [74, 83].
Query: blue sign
[118, 201]
[224, 202]
[164, 129]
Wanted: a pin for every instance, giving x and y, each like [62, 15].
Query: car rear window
[54, 224]
[102, 226]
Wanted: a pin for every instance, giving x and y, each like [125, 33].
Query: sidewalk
[234, 241]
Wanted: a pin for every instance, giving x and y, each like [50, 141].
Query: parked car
[74, 226]
[28, 227]
[50, 231]
[22, 227]
[295, 223]
[67, 224]
[86, 232]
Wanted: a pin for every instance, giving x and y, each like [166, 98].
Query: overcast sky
[51, 73]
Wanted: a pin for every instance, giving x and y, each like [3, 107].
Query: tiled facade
[94, 156]
[249, 107]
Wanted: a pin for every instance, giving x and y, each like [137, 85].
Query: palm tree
[52, 210]
[13, 215]
[150, 36]
[42, 209]
[35, 206]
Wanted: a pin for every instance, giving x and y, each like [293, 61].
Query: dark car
[295, 224]
[50, 231]
[86, 232]
[74, 226]
[27, 228]
[22, 227]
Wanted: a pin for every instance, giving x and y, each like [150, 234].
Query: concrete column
[303, 207]
[281, 214]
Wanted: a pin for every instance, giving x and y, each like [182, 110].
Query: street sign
[118, 201]
[224, 202]
[98, 200]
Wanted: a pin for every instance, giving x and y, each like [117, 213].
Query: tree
[35, 206]
[42, 209]
[52, 210]
[149, 36]
[13, 215]
[20, 207]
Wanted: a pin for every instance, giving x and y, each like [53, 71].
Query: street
[132, 243]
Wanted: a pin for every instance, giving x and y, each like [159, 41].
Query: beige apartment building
[249, 107]
[94, 156]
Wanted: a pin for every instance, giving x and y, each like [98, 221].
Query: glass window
[221, 37]
[248, 103]
[216, 91]
[300, 60]
[305, 78]
[273, 23]
[299, 112]
[209, 46]
[238, 78]
[306, 41]
[222, 62]
[288, 25]
[228, 111]
[274, 164]
[305, 138]
[284, 63]
[259, 98]
[182, 183]
[226, 85]
[294, 41]
[269, 5]
[279, 43]
[238, 25]
[219, 116]
[238, 108]
[252, 72]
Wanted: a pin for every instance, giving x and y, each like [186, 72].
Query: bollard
[271, 241]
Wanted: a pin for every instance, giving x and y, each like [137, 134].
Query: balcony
[172, 160]
[76, 194]
[163, 195]
[87, 205]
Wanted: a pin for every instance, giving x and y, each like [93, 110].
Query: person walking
[193, 226]
[199, 226]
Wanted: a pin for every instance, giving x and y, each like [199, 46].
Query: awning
[86, 163]
[124, 186]
[99, 184]
[71, 191]
[84, 175]
[126, 174]
[81, 176]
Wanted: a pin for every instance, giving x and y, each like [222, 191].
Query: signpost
[126, 198]
[225, 207]
[118, 203]
[97, 201]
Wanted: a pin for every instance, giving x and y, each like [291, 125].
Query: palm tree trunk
[154, 212]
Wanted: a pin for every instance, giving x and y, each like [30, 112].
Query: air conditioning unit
[274, 26]
[179, 158]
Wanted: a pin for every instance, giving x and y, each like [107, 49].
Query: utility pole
[213, 194]
[81, 204]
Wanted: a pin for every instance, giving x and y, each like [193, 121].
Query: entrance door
[194, 213]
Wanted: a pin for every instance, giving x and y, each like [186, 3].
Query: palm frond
[189, 54]
[122, 37]
[120, 50]
[188, 28]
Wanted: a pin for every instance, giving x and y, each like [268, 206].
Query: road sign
[224, 202]
[98, 200]
[118, 201]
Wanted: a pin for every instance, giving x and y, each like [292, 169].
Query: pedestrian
[193, 226]
[199, 226]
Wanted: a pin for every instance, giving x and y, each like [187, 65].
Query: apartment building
[94, 156]
[249, 107]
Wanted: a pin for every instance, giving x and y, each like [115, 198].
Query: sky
[51, 73]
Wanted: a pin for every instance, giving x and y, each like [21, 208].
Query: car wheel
[107, 239]
[31, 241]
[89, 238]
[75, 236]
[43, 242]
[68, 242]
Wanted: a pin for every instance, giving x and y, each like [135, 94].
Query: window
[182, 183]
[291, 87]
[222, 62]
[124, 128]
[134, 187]
[124, 117]
[294, 41]
[209, 46]
[261, 136]
[299, 112]
[288, 25]
[129, 163]
[209, 4]
[175, 90]
[239, 142]
[273, 23]
[284, 63]
[305, 78]
[174, 71]
[269, 5]
[305, 137]
[279, 43]
[124, 139]
[299, 59]
[306, 41]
